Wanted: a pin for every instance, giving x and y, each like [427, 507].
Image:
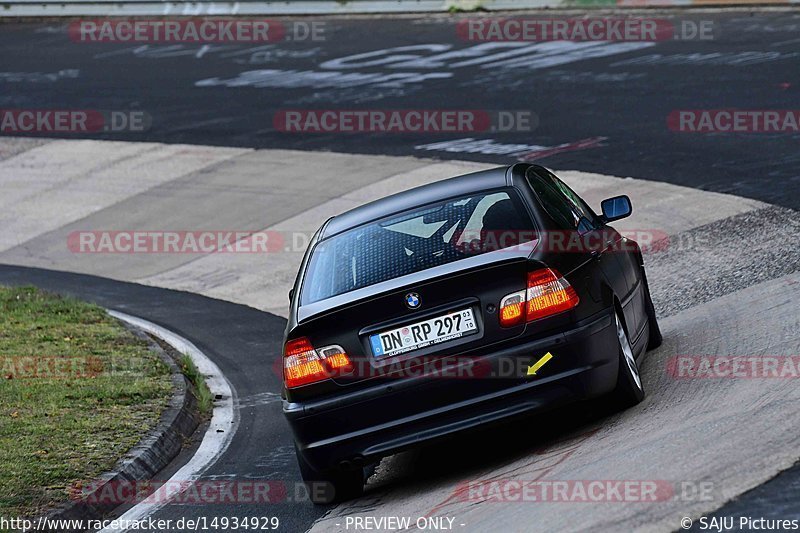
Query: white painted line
[220, 432]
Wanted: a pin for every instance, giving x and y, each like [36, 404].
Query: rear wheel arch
[618, 309]
[607, 295]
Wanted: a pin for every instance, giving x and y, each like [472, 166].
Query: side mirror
[291, 294]
[616, 208]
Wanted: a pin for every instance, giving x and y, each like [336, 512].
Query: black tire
[654, 338]
[330, 487]
[628, 390]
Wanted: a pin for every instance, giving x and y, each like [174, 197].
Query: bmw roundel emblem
[412, 300]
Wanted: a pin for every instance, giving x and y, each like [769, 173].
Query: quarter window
[562, 203]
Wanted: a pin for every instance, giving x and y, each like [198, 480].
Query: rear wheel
[333, 486]
[628, 391]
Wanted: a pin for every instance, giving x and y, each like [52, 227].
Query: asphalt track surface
[623, 97]
[611, 98]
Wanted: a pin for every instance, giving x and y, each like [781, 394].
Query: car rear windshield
[416, 240]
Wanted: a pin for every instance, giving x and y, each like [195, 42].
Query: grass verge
[77, 390]
[205, 400]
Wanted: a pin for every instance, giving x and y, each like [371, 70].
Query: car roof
[418, 196]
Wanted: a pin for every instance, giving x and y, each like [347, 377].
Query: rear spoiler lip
[322, 307]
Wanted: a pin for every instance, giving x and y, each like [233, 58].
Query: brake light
[512, 309]
[302, 364]
[335, 358]
[548, 293]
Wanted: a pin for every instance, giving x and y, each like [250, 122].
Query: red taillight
[547, 294]
[297, 346]
[512, 309]
[302, 364]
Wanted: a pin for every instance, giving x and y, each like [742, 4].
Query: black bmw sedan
[461, 303]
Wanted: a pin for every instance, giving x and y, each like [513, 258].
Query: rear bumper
[360, 426]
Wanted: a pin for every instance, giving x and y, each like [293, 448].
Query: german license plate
[425, 333]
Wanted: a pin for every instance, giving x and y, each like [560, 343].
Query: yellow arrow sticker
[539, 364]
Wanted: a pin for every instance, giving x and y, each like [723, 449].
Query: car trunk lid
[386, 336]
